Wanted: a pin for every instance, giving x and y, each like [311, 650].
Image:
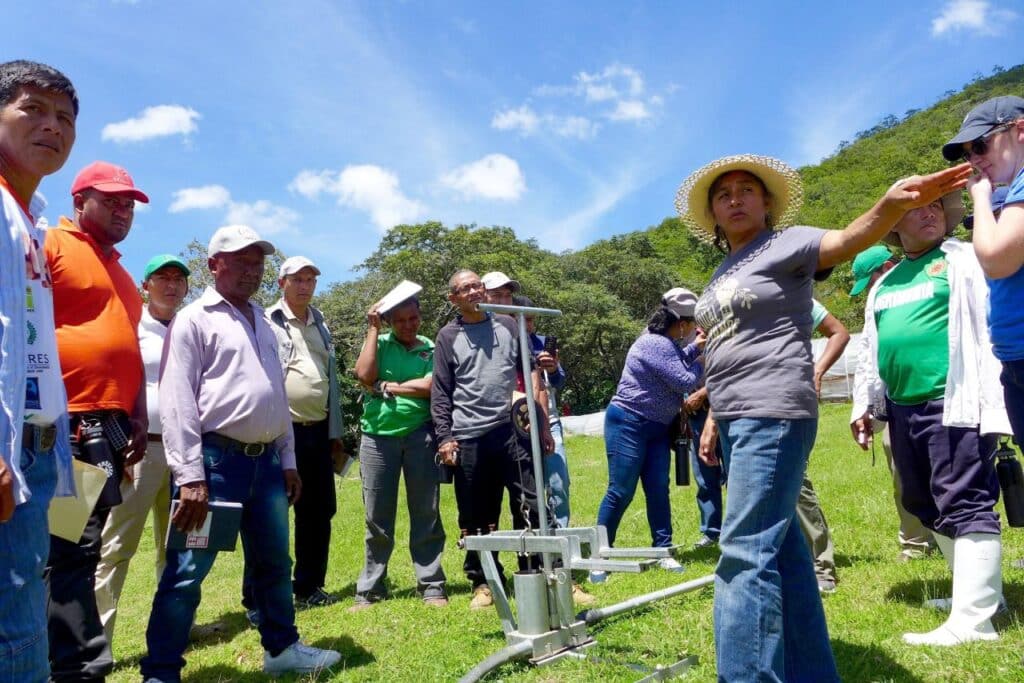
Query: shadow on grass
[915, 592]
[865, 664]
[352, 656]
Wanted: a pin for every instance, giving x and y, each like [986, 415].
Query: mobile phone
[551, 344]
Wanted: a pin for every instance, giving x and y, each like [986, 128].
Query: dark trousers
[489, 463]
[949, 479]
[1012, 379]
[79, 650]
[313, 512]
[315, 507]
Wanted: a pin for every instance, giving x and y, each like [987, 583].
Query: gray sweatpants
[381, 460]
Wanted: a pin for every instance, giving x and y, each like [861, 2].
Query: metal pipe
[593, 615]
[500, 657]
[531, 406]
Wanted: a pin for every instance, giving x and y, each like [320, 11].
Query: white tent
[837, 385]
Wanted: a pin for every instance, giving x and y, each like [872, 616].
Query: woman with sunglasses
[992, 139]
[769, 621]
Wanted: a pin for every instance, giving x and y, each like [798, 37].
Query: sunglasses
[980, 146]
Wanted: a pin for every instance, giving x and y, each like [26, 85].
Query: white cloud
[263, 216]
[154, 122]
[365, 187]
[574, 127]
[630, 110]
[976, 16]
[205, 197]
[614, 81]
[523, 119]
[495, 176]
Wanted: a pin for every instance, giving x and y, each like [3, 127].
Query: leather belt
[253, 450]
[45, 437]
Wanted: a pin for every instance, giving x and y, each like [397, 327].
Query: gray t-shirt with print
[757, 316]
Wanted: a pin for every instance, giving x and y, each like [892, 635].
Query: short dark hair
[23, 73]
[661, 320]
[522, 300]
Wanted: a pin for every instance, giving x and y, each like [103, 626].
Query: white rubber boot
[977, 591]
[948, 549]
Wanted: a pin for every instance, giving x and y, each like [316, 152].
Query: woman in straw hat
[769, 622]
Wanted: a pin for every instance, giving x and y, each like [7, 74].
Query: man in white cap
[500, 288]
[228, 437]
[311, 381]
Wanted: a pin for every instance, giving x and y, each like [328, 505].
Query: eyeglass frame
[979, 146]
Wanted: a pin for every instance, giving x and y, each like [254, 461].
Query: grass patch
[403, 640]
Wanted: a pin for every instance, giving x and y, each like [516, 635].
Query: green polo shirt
[399, 415]
[912, 314]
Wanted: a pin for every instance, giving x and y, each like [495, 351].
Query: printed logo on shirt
[35, 264]
[910, 295]
[37, 363]
[728, 296]
[33, 401]
[936, 268]
[32, 335]
[30, 303]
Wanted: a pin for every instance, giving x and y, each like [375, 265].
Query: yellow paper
[68, 515]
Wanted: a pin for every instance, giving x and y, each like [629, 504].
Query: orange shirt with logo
[97, 309]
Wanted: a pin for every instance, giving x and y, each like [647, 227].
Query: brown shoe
[581, 598]
[481, 597]
[436, 601]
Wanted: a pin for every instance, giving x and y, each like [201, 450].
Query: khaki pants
[150, 488]
[816, 533]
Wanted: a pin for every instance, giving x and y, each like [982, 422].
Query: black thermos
[1011, 481]
[681, 446]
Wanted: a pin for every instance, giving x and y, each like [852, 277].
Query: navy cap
[981, 120]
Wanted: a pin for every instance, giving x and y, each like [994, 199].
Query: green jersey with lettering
[912, 315]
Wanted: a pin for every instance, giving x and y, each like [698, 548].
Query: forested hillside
[607, 289]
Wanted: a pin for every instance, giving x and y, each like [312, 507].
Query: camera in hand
[551, 344]
[1011, 481]
[681, 450]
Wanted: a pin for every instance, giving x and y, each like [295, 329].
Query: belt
[46, 437]
[253, 450]
[155, 438]
[309, 424]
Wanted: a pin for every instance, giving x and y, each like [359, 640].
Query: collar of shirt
[36, 205]
[67, 225]
[389, 338]
[290, 314]
[211, 297]
[151, 324]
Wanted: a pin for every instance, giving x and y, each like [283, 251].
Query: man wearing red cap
[97, 310]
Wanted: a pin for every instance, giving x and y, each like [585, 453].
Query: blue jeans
[556, 472]
[769, 622]
[24, 548]
[709, 479]
[258, 484]
[638, 450]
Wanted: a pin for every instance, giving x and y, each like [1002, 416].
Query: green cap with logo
[865, 264]
[161, 260]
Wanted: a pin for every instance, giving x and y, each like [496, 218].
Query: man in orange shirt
[97, 310]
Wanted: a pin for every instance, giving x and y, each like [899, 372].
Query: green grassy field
[404, 640]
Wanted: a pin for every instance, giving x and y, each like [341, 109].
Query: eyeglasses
[469, 287]
[980, 146]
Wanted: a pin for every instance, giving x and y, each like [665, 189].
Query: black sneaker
[318, 598]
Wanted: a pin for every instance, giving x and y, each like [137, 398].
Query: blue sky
[322, 123]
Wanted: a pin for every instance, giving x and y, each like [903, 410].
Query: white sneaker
[670, 564]
[300, 658]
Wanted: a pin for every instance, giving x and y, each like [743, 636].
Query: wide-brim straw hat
[781, 179]
[952, 208]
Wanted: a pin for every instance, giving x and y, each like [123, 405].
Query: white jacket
[974, 395]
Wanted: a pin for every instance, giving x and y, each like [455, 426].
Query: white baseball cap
[236, 238]
[496, 279]
[294, 264]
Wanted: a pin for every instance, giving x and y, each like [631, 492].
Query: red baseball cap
[106, 177]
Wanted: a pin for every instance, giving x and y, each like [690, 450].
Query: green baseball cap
[158, 262]
[865, 264]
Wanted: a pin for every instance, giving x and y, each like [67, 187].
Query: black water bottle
[681, 447]
[95, 450]
[1011, 481]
